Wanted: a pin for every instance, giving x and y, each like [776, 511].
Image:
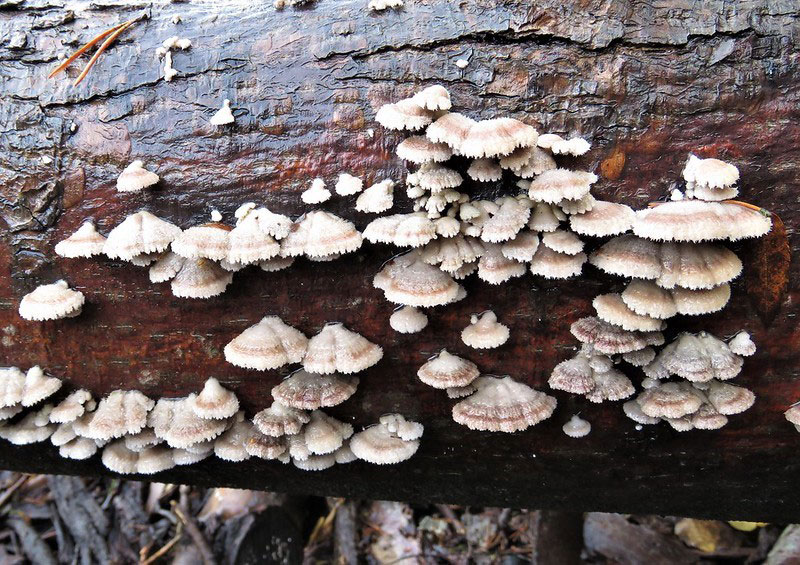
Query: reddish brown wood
[648, 83]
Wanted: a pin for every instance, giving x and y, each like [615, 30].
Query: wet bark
[648, 82]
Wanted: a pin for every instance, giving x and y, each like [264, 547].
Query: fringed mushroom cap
[138, 234]
[123, 412]
[279, 419]
[317, 194]
[222, 116]
[377, 198]
[610, 385]
[496, 268]
[453, 253]
[320, 462]
[527, 162]
[641, 357]
[335, 349]
[509, 219]
[729, 399]
[12, 385]
[522, 248]
[543, 218]
[669, 400]
[436, 178]
[405, 114]
[556, 185]
[86, 242]
[609, 339]
[700, 358]
[577, 427]
[72, 407]
[695, 220]
[408, 280]
[408, 320]
[711, 173]
[166, 267]
[582, 205]
[451, 129]
[485, 170]
[154, 460]
[323, 434]
[347, 185]
[51, 302]
[404, 230]
[269, 344]
[320, 234]
[38, 386]
[696, 265]
[142, 440]
[634, 412]
[249, 243]
[306, 391]
[264, 446]
[28, 430]
[496, 137]
[712, 194]
[503, 405]
[447, 226]
[433, 98]
[792, 415]
[742, 344]
[79, 448]
[612, 309]
[563, 241]
[276, 264]
[698, 302]
[200, 278]
[209, 241]
[214, 401]
[270, 223]
[485, 332]
[174, 421]
[628, 256]
[118, 458]
[645, 298]
[230, 446]
[446, 370]
[419, 149]
[135, 177]
[604, 219]
[379, 446]
[553, 265]
[559, 146]
[573, 375]
[707, 418]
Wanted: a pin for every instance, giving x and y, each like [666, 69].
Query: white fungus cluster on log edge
[674, 262]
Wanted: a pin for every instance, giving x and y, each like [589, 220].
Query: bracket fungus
[251, 241]
[200, 278]
[485, 170]
[85, 242]
[485, 332]
[317, 194]
[230, 446]
[408, 320]
[522, 248]
[383, 444]
[174, 421]
[577, 427]
[320, 234]
[495, 268]
[324, 434]
[335, 349]
[406, 230]
[609, 339]
[404, 115]
[38, 386]
[446, 371]
[12, 385]
[604, 219]
[409, 281]
[419, 149]
[347, 185]
[280, 419]
[207, 241]
[511, 216]
[214, 401]
[563, 241]
[434, 98]
[711, 173]
[51, 302]
[123, 412]
[742, 344]
[269, 344]
[554, 265]
[699, 358]
[502, 404]
[140, 233]
[307, 391]
[27, 430]
[575, 146]
[697, 220]
[612, 309]
[223, 116]
[135, 178]
[72, 407]
[555, 185]
[496, 137]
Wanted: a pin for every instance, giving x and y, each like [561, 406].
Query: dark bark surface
[647, 83]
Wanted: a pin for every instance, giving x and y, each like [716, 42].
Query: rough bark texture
[648, 82]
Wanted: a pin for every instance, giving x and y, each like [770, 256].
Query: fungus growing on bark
[335, 349]
[139, 234]
[696, 265]
[485, 332]
[485, 170]
[700, 358]
[581, 205]
[612, 309]
[135, 177]
[123, 412]
[230, 446]
[696, 220]
[200, 278]
[577, 427]
[324, 434]
[265, 446]
[405, 429]
[223, 116]
[634, 412]
[72, 407]
[276, 264]
[573, 375]
[453, 253]
[641, 357]
[408, 280]
[51, 302]
[495, 268]
[119, 458]
[78, 448]
[434, 98]
[707, 418]
[28, 430]
[38, 386]
[12, 385]
[502, 404]
[742, 344]
[556, 185]
[496, 137]
[562, 241]
[154, 460]
[250, 243]
[209, 241]
[142, 440]
[85, 242]
[527, 162]
[419, 149]
[174, 421]
[558, 145]
[729, 399]
[403, 115]
[669, 400]
[628, 256]
[543, 218]
[610, 385]
[646, 298]
[408, 320]
[347, 185]
[510, 217]
[317, 194]
[609, 339]
[380, 445]
[445, 371]
[436, 178]
[711, 173]
[451, 129]
[604, 219]
[269, 344]
[214, 401]
[522, 248]
[405, 230]
[553, 265]
[322, 462]
[280, 419]
[320, 234]
[703, 301]
[274, 225]
[306, 391]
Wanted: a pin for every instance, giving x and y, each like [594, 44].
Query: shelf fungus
[200, 278]
[335, 349]
[496, 137]
[598, 383]
[522, 248]
[563, 241]
[544, 218]
[12, 385]
[495, 268]
[207, 241]
[404, 115]
[347, 185]
[85, 242]
[604, 219]
[452, 129]
[669, 400]
[174, 421]
[575, 146]
[253, 239]
[511, 216]
[29, 429]
[452, 254]
[436, 178]
[223, 116]
[265, 446]
[420, 150]
[408, 320]
[307, 391]
[556, 185]
[51, 302]
[609, 339]
[135, 178]
[320, 234]
[696, 220]
[72, 407]
[410, 281]
[582, 205]
[214, 401]
[230, 446]
[554, 265]
[317, 194]
[268, 222]
[577, 427]
[403, 230]
[393, 440]
[742, 344]
[323, 434]
[269, 344]
[699, 358]
[611, 308]
[140, 234]
[123, 412]
[502, 404]
[446, 371]
[710, 173]
[280, 420]
[792, 415]
[434, 98]
[485, 170]
[485, 332]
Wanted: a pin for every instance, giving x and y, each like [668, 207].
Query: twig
[169, 545]
[451, 517]
[83, 49]
[102, 48]
[13, 488]
[182, 512]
